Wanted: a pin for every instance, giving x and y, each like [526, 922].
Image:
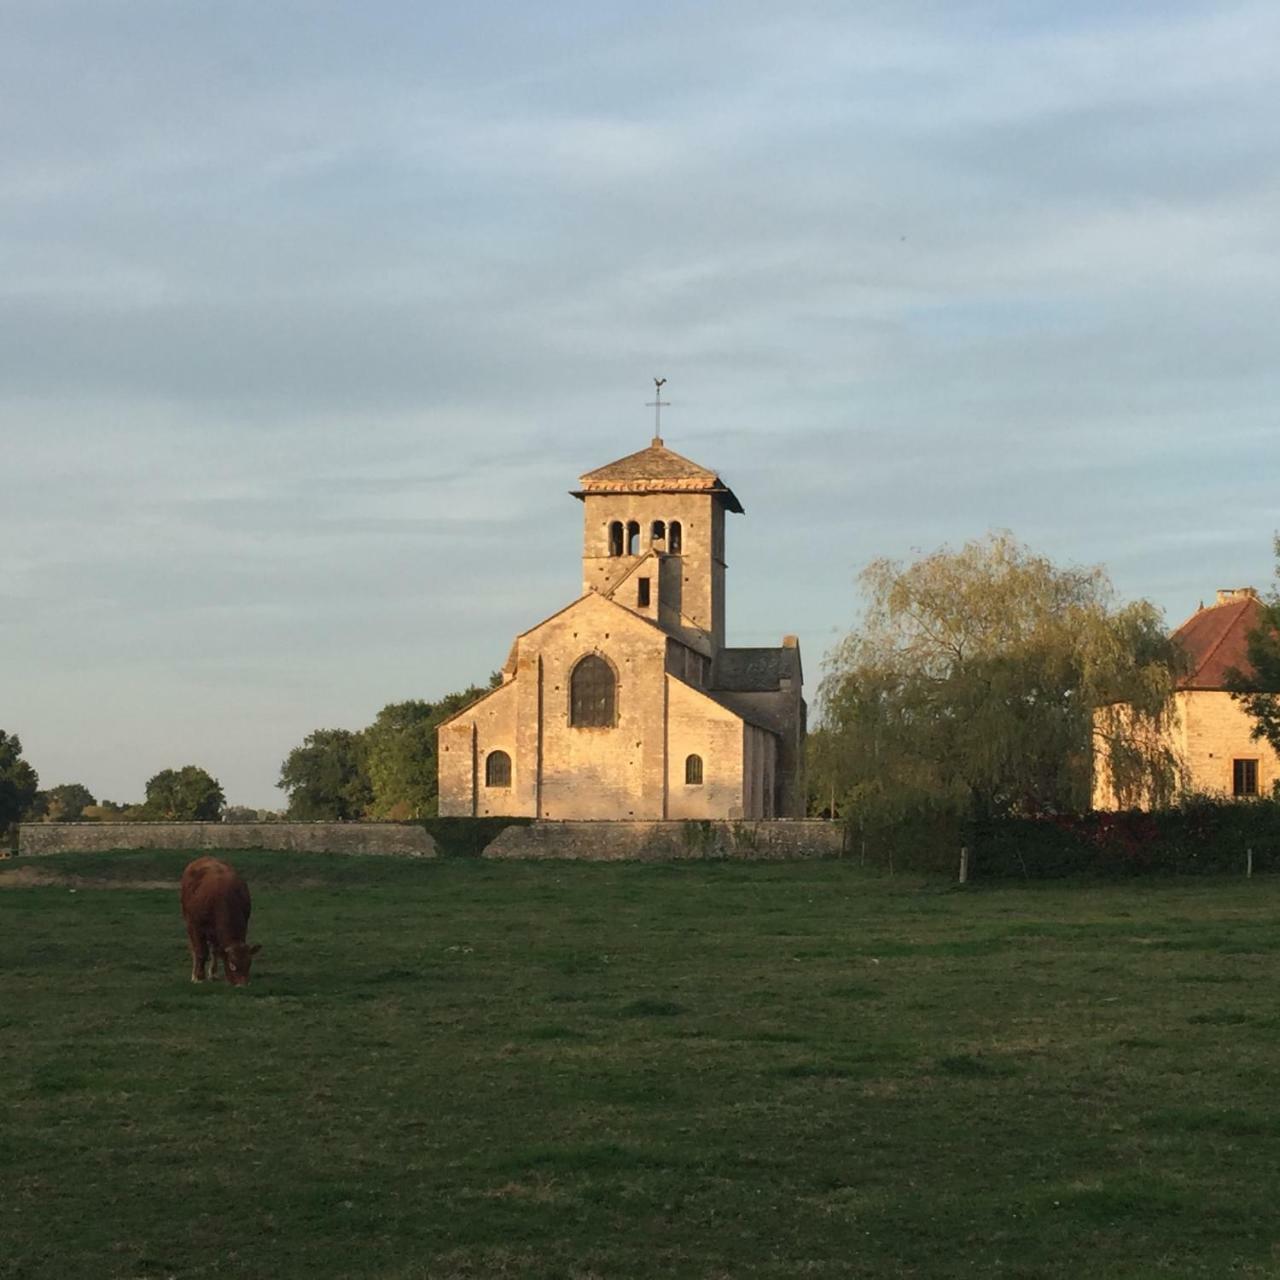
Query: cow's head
[236, 961]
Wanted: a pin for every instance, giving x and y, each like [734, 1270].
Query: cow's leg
[212, 944]
[199, 953]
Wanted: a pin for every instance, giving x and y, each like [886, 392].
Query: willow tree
[982, 681]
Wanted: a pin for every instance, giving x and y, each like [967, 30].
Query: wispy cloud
[310, 316]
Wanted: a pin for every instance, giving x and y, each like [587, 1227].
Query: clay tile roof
[1216, 640]
[656, 469]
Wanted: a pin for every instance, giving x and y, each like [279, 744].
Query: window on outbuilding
[673, 537]
[615, 538]
[633, 537]
[592, 694]
[497, 769]
[693, 771]
[1244, 777]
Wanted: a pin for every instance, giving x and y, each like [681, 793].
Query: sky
[312, 313]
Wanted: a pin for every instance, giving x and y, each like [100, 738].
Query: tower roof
[1216, 639]
[656, 469]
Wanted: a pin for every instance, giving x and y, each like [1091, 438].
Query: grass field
[463, 1069]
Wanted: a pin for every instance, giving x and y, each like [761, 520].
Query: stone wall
[663, 841]
[1208, 733]
[1217, 731]
[35, 838]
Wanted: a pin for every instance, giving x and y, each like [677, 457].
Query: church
[627, 703]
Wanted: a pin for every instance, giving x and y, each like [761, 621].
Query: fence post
[1248, 863]
[964, 864]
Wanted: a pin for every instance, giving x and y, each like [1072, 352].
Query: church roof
[1216, 639]
[756, 670]
[656, 469]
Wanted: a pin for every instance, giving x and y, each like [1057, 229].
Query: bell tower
[653, 539]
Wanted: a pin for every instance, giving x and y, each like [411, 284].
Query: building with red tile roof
[1211, 734]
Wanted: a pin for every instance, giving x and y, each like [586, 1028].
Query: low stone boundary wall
[664, 841]
[35, 838]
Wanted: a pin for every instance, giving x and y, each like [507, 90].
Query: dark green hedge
[467, 837]
[1198, 838]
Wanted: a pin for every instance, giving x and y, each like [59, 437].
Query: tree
[982, 682]
[325, 778]
[19, 782]
[400, 756]
[244, 813]
[388, 770]
[67, 802]
[1258, 689]
[188, 794]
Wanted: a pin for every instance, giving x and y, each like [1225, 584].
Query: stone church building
[627, 703]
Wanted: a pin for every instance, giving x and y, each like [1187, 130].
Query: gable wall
[492, 724]
[698, 726]
[1215, 731]
[608, 772]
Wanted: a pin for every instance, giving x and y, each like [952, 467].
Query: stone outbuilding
[1211, 734]
[627, 703]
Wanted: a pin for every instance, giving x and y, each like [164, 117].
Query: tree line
[188, 794]
[981, 683]
[386, 771]
[984, 682]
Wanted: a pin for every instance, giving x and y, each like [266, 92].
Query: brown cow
[215, 905]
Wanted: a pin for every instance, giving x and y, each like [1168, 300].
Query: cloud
[310, 317]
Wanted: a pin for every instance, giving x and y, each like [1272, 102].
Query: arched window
[673, 537]
[615, 538]
[633, 537]
[592, 694]
[693, 771]
[497, 769]
[659, 532]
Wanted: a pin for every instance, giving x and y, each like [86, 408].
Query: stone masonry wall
[1217, 731]
[663, 841]
[35, 838]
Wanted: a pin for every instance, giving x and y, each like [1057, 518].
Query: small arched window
[673, 537]
[615, 538]
[497, 769]
[633, 537]
[659, 532]
[592, 694]
[693, 771]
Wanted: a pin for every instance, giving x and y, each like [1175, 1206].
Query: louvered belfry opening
[592, 694]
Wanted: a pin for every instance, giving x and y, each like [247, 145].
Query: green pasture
[458, 1069]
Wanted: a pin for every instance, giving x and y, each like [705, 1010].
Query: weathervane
[657, 404]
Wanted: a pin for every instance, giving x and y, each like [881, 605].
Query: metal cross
[657, 404]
